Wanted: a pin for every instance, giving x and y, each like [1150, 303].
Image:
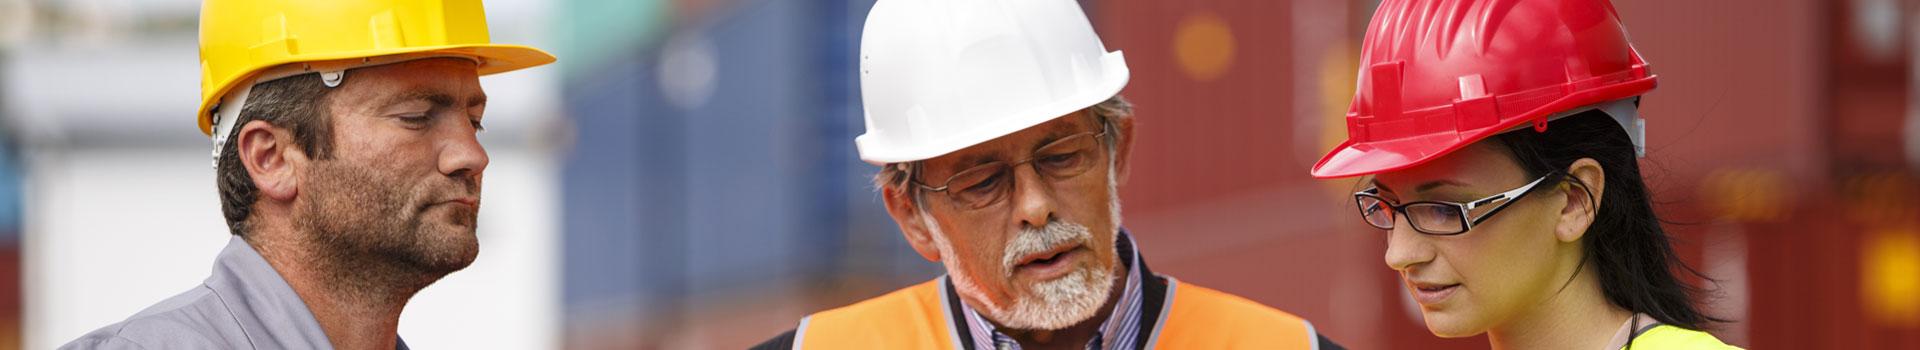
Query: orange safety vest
[1174, 316]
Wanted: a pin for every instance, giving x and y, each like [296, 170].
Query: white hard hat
[938, 76]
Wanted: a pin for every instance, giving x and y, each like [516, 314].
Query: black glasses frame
[1459, 210]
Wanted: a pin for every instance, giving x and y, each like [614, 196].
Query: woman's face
[1469, 283]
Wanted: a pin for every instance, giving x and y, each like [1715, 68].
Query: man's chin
[1059, 303]
[446, 249]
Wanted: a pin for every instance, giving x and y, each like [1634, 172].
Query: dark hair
[1626, 245]
[296, 103]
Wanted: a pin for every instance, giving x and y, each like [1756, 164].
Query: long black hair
[1629, 250]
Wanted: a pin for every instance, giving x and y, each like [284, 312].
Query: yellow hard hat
[240, 39]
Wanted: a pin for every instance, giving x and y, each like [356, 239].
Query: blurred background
[685, 178]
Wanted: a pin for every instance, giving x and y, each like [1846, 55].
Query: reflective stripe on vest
[918, 318]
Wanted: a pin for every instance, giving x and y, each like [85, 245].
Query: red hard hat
[1436, 76]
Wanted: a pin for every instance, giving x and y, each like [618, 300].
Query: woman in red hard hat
[1502, 141]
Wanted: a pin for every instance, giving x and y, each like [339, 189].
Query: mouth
[1432, 293]
[1049, 264]
[469, 202]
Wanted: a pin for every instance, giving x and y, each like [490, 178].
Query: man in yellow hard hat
[1003, 140]
[347, 165]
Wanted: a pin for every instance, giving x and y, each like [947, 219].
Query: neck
[356, 298]
[1577, 317]
[1076, 336]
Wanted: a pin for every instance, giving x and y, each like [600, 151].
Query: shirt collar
[268, 310]
[1120, 328]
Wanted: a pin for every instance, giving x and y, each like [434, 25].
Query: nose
[462, 156]
[1406, 247]
[1033, 203]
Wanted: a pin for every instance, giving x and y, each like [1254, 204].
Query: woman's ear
[906, 213]
[1584, 184]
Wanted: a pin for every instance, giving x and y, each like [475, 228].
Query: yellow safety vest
[1665, 337]
[924, 317]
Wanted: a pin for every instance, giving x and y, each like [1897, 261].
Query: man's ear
[1122, 148]
[900, 205]
[271, 159]
[1586, 180]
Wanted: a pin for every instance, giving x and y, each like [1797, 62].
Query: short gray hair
[898, 176]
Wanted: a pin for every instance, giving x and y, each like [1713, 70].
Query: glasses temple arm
[1504, 198]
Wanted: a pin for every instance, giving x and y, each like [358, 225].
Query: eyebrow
[1422, 188]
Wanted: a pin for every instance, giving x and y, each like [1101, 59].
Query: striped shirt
[1122, 327]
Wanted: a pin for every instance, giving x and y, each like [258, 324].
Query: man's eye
[477, 127]
[985, 185]
[1059, 161]
[415, 119]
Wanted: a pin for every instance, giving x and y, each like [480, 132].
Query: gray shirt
[244, 305]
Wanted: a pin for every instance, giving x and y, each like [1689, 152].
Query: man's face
[403, 183]
[1042, 255]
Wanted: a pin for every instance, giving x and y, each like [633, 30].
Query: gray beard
[1050, 305]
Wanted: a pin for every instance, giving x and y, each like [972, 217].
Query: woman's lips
[1430, 294]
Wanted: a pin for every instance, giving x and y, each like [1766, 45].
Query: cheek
[1088, 201]
[1507, 265]
[376, 140]
[395, 159]
[410, 155]
[980, 246]
[1092, 206]
[984, 255]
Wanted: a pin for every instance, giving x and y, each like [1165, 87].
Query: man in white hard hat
[1002, 141]
[347, 165]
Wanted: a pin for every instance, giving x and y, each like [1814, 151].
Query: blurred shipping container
[698, 187]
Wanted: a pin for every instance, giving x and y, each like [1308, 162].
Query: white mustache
[1036, 240]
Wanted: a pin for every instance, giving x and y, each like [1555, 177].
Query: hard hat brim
[495, 58]
[1374, 157]
[1355, 159]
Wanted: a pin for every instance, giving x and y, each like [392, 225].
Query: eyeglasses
[988, 184]
[1436, 217]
